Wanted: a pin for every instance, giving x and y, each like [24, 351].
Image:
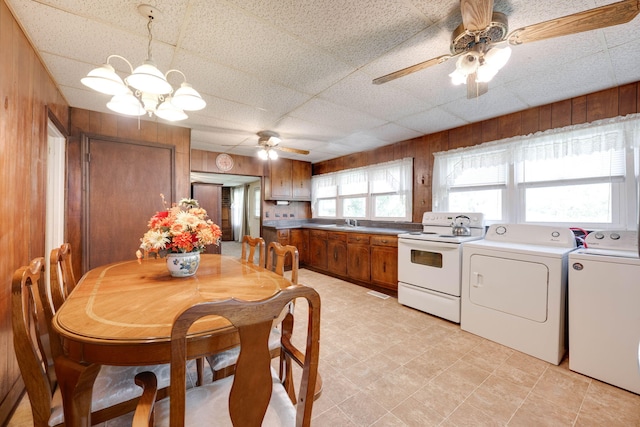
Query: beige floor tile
[332, 418]
[414, 414]
[467, 415]
[608, 405]
[562, 386]
[362, 410]
[536, 410]
[498, 398]
[389, 420]
[393, 387]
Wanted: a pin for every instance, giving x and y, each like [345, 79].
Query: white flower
[155, 240]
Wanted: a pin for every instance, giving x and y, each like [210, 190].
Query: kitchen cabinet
[358, 255]
[299, 237]
[318, 249]
[287, 179]
[384, 261]
[337, 253]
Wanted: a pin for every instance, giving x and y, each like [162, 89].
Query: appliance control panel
[621, 240]
[527, 234]
[447, 219]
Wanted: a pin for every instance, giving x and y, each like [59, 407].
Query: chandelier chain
[150, 37]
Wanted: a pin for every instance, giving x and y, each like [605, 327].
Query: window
[256, 202]
[579, 176]
[377, 192]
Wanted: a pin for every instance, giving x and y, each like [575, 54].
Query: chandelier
[146, 90]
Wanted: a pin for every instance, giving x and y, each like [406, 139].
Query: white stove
[430, 262]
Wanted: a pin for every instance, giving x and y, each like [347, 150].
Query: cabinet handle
[335, 255]
[384, 267]
[384, 240]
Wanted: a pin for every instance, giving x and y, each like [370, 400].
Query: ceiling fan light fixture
[468, 63]
[457, 77]
[498, 57]
[146, 85]
[262, 153]
[273, 154]
[105, 80]
[126, 104]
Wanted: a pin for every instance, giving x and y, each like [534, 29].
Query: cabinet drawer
[283, 234]
[384, 240]
[340, 237]
[362, 239]
[318, 234]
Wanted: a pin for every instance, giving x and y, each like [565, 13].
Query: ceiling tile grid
[304, 68]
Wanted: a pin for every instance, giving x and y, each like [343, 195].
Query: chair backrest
[280, 252]
[62, 280]
[28, 337]
[252, 381]
[249, 246]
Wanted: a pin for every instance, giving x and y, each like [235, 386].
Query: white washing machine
[514, 285]
[604, 309]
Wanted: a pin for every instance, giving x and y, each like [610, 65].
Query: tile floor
[384, 364]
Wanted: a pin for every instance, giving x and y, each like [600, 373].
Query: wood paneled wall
[617, 101]
[205, 161]
[126, 128]
[27, 96]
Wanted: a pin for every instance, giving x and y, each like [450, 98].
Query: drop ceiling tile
[432, 120]
[554, 85]
[357, 32]
[327, 113]
[496, 102]
[383, 101]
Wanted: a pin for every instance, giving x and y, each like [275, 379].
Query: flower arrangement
[184, 227]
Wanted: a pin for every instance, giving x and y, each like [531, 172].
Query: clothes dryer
[514, 285]
[604, 309]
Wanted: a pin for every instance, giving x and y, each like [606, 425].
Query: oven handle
[430, 246]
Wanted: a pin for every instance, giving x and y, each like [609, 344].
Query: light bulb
[263, 154]
[273, 155]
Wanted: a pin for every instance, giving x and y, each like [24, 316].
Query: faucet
[351, 222]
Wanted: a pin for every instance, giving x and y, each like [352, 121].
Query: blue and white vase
[183, 264]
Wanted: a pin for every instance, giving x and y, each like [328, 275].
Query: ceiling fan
[481, 42]
[269, 141]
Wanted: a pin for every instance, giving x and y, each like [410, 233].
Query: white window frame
[621, 134]
[403, 186]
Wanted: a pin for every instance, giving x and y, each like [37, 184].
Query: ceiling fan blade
[290, 150]
[475, 89]
[592, 19]
[476, 14]
[412, 69]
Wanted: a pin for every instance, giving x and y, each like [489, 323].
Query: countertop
[368, 229]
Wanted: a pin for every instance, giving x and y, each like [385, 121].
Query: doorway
[55, 193]
[241, 203]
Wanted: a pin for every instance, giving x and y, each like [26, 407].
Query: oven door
[430, 265]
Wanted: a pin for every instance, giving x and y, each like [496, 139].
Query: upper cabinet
[287, 179]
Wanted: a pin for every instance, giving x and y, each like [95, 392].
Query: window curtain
[493, 158]
[237, 212]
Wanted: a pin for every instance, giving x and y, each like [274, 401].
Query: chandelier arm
[173, 70]
[121, 57]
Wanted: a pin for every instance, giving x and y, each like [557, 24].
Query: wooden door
[209, 196]
[123, 181]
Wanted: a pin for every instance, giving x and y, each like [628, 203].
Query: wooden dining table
[122, 314]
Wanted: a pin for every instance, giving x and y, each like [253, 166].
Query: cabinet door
[337, 253]
[301, 180]
[318, 249]
[300, 239]
[384, 266]
[278, 182]
[358, 262]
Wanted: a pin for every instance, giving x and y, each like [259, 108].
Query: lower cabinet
[359, 260]
[384, 261]
[318, 249]
[299, 237]
[337, 253]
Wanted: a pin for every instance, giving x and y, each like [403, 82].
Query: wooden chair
[249, 246]
[114, 391]
[279, 252]
[255, 395]
[223, 363]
